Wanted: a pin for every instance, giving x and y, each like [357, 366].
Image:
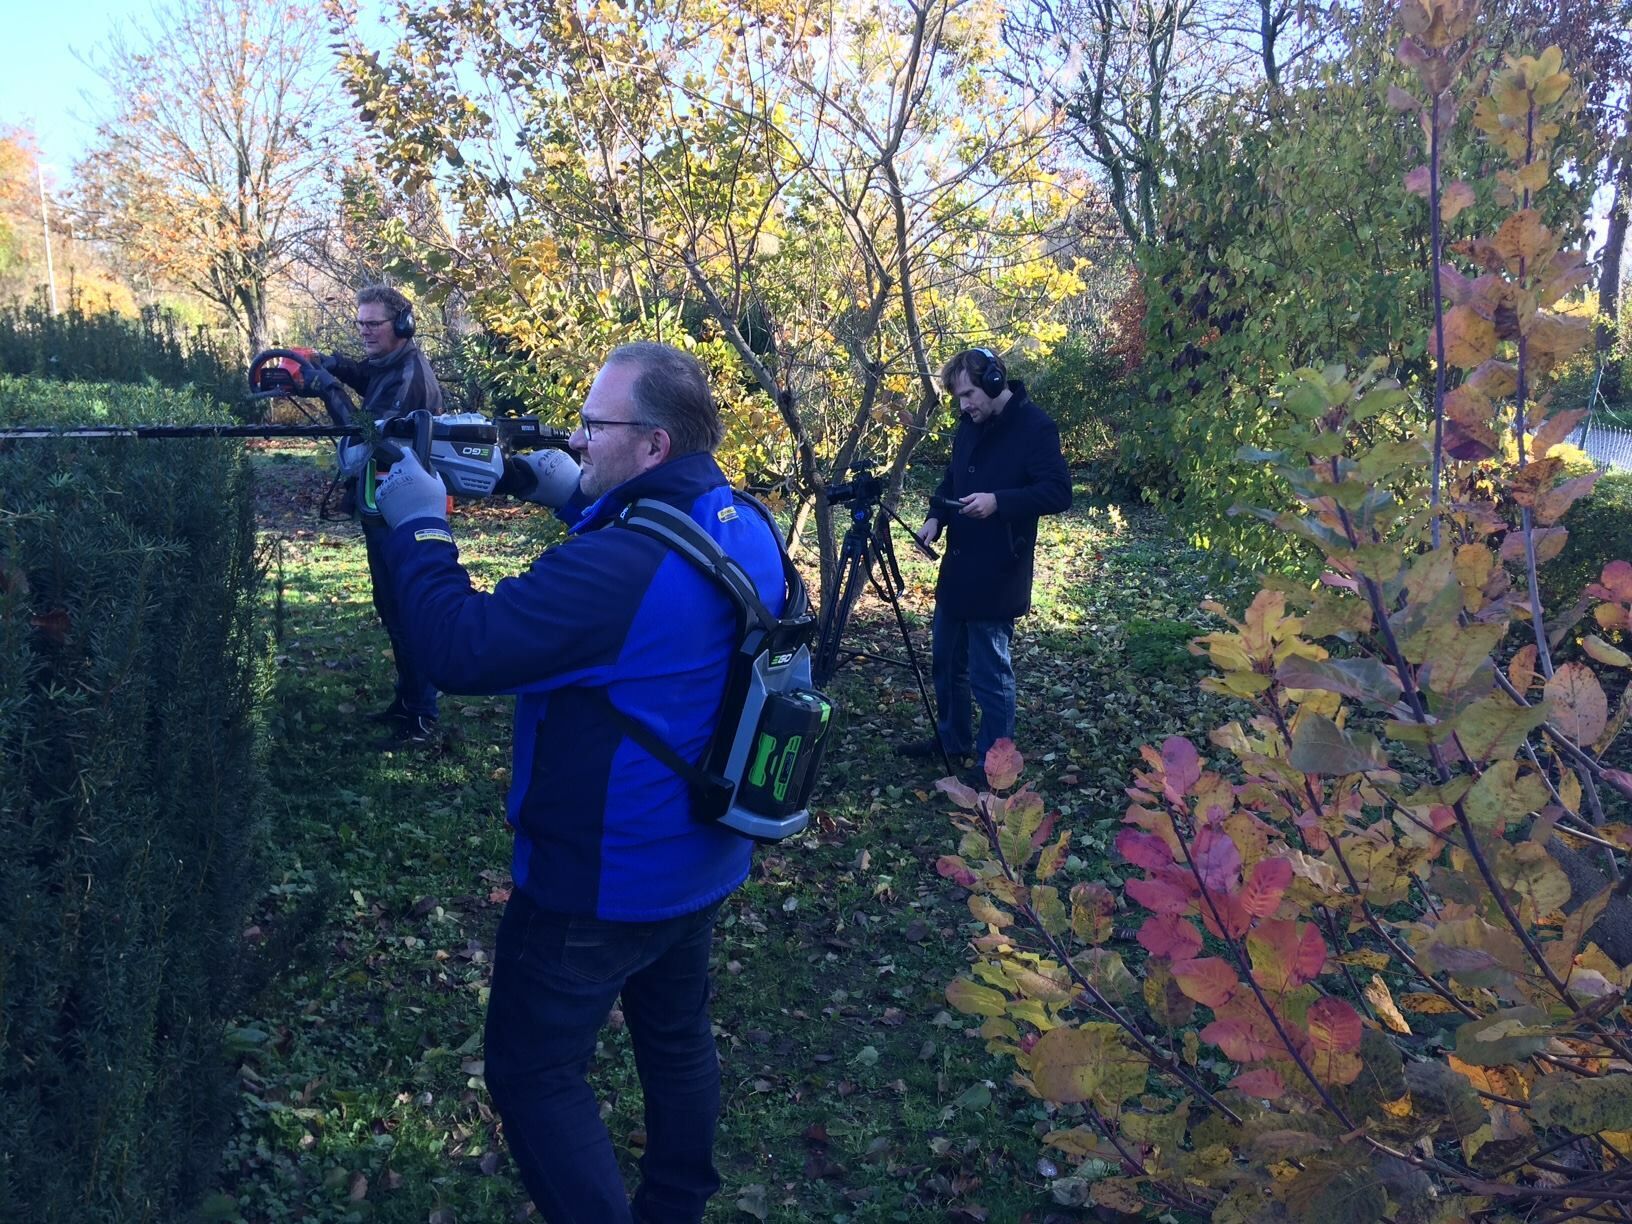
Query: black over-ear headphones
[402, 324]
[993, 377]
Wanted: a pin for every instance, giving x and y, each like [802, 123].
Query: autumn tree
[1385, 947]
[824, 200]
[1128, 74]
[208, 172]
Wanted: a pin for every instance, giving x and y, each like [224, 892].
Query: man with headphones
[1006, 472]
[393, 378]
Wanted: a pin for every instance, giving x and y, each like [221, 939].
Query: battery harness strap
[758, 631]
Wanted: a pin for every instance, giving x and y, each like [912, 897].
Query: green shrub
[1600, 530]
[130, 825]
[1161, 649]
[107, 347]
[1098, 408]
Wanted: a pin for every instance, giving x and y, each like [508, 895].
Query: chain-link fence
[1608, 447]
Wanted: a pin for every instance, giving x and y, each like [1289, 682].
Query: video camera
[863, 487]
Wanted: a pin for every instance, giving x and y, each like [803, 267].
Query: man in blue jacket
[1006, 472]
[616, 882]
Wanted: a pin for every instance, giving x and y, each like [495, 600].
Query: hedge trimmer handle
[290, 371]
[390, 448]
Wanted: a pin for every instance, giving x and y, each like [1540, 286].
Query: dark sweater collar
[394, 358]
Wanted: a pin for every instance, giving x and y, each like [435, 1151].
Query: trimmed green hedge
[102, 346]
[131, 823]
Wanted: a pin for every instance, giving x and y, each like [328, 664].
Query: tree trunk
[1609, 279]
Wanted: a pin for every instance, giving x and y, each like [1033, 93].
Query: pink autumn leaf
[1218, 862]
[1240, 1040]
[1614, 583]
[1003, 762]
[1182, 767]
[1232, 921]
[1143, 849]
[1159, 896]
[1265, 887]
[1264, 1083]
[956, 870]
[1170, 937]
[1210, 980]
[1333, 1026]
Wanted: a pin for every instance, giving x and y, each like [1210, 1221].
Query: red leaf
[1218, 862]
[1267, 885]
[1044, 830]
[1170, 937]
[955, 869]
[1281, 959]
[1241, 1040]
[1311, 956]
[1333, 1026]
[1615, 582]
[1182, 767]
[1159, 896]
[1264, 1083]
[1236, 920]
[1210, 981]
[1143, 849]
[1003, 764]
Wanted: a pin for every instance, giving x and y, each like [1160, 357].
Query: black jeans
[555, 978]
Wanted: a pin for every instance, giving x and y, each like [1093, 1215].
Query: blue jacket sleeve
[558, 623]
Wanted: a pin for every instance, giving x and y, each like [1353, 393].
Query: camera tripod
[868, 555]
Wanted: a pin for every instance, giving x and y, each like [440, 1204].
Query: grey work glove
[410, 492]
[545, 477]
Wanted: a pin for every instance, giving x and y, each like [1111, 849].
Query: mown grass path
[852, 1093]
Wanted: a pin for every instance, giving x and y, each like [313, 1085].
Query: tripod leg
[853, 563]
[887, 582]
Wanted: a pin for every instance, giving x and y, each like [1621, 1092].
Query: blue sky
[42, 81]
[47, 85]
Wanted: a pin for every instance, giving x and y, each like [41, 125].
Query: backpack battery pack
[758, 772]
[785, 753]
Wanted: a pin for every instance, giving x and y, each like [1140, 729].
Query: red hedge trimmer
[466, 449]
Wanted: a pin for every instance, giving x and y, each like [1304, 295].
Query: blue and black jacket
[608, 618]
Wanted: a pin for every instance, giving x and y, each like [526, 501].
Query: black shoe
[394, 713]
[924, 749]
[975, 779]
[409, 731]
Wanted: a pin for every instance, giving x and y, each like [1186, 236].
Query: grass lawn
[852, 1092]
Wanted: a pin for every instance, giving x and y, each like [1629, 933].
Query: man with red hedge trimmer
[394, 378]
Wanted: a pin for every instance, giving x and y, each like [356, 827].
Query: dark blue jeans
[555, 978]
[417, 694]
[971, 658]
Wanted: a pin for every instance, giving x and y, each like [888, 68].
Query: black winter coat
[986, 567]
[399, 382]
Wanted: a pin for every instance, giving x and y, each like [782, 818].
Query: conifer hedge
[130, 806]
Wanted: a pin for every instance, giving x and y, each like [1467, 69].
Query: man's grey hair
[671, 393]
[385, 296]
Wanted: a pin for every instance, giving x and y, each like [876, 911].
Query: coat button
[971, 467]
[955, 552]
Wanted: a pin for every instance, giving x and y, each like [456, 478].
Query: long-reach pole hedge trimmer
[467, 450]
